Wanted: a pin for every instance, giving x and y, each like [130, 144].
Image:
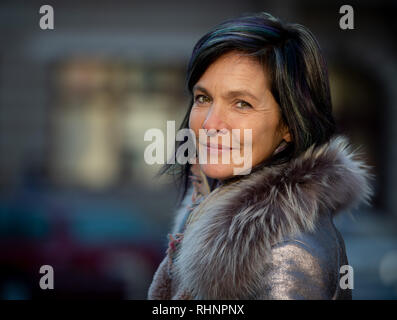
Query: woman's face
[234, 93]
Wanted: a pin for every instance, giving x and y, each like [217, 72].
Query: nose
[214, 121]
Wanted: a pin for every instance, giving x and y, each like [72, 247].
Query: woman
[267, 234]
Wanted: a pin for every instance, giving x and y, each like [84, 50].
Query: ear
[287, 136]
[285, 133]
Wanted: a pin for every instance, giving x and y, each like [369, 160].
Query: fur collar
[222, 253]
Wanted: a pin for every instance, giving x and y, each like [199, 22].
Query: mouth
[217, 148]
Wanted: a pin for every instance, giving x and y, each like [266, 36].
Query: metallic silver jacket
[267, 235]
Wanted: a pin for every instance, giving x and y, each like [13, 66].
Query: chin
[217, 171]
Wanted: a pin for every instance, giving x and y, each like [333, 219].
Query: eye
[243, 105]
[201, 99]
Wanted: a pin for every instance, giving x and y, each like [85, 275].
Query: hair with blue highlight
[298, 76]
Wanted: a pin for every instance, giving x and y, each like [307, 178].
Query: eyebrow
[229, 94]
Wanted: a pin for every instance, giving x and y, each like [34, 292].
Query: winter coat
[268, 235]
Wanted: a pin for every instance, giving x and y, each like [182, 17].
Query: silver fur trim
[224, 253]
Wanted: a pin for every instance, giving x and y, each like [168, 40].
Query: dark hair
[298, 78]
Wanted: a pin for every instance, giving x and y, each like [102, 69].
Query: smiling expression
[234, 93]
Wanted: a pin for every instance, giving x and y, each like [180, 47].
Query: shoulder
[324, 242]
[305, 266]
[296, 273]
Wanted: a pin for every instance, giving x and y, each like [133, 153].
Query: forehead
[235, 68]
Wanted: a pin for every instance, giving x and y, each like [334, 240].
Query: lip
[216, 148]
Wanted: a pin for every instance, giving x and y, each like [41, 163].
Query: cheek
[260, 129]
[196, 119]
[263, 132]
[263, 136]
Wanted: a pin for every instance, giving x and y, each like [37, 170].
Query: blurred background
[75, 102]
